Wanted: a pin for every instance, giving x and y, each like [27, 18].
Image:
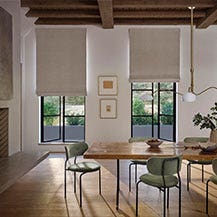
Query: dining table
[140, 150]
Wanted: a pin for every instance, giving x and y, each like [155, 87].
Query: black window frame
[158, 91]
[62, 122]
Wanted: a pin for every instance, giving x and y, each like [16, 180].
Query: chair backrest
[195, 139]
[137, 139]
[164, 165]
[214, 165]
[75, 149]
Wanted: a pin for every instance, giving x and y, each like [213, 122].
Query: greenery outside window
[62, 118]
[154, 118]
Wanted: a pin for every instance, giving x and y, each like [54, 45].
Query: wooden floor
[39, 193]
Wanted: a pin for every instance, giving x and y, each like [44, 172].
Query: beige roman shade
[154, 55]
[61, 62]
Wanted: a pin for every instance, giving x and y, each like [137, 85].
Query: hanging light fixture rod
[191, 88]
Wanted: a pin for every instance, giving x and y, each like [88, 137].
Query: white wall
[205, 67]
[13, 7]
[108, 55]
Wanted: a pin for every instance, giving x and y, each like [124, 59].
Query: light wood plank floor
[40, 194]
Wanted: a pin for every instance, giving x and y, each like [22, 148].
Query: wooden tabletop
[140, 150]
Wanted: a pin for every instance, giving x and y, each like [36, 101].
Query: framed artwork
[108, 108]
[107, 86]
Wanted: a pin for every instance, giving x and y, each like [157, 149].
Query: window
[62, 118]
[154, 118]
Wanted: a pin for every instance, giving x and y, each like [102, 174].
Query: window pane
[148, 107]
[166, 127]
[166, 86]
[138, 105]
[51, 128]
[74, 121]
[74, 129]
[166, 103]
[51, 121]
[166, 120]
[74, 105]
[142, 85]
[142, 127]
[51, 105]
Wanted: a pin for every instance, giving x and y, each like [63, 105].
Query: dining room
[105, 73]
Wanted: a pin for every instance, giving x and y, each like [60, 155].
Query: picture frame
[108, 108]
[107, 85]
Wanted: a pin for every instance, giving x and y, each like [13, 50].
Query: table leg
[118, 184]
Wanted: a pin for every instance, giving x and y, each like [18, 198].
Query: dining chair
[163, 173]
[200, 162]
[135, 162]
[213, 179]
[72, 152]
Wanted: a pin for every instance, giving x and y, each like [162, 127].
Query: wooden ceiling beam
[63, 13]
[60, 4]
[106, 13]
[210, 18]
[152, 21]
[157, 14]
[141, 4]
[67, 21]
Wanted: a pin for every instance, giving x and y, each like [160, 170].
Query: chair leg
[202, 173]
[188, 175]
[80, 181]
[180, 199]
[135, 173]
[168, 197]
[137, 186]
[207, 193]
[64, 183]
[100, 188]
[74, 182]
[130, 165]
[164, 203]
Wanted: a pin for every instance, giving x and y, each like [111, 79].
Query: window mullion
[42, 119]
[63, 112]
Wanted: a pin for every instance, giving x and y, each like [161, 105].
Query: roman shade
[61, 62]
[154, 55]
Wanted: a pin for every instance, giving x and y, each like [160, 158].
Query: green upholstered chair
[136, 162]
[72, 152]
[213, 179]
[201, 162]
[163, 173]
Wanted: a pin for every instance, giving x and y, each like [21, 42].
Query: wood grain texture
[121, 12]
[140, 150]
[106, 13]
[210, 18]
[40, 194]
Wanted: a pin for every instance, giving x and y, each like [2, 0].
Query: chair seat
[141, 162]
[157, 181]
[202, 162]
[84, 167]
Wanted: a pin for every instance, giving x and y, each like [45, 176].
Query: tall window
[62, 118]
[156, 118]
